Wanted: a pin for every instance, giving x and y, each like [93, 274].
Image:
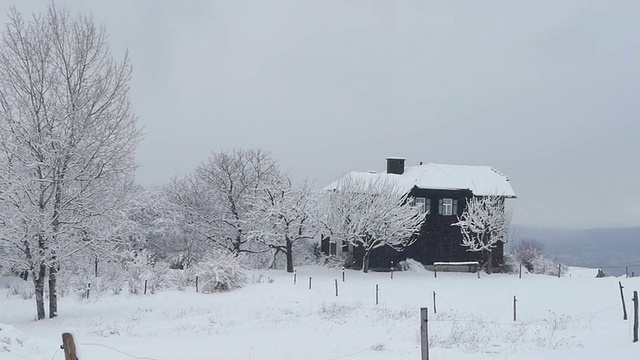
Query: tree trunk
[53, 295]
[365, 261]
[489, 261]
[289, 253]
[38, 283]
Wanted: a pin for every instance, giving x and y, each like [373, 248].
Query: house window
[423, 204]
[448, 207]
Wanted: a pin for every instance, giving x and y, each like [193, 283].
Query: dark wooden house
[441, 191]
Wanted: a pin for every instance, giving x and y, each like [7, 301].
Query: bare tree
[370, 214]
[219, 196]
[68, 137]
[483, 224]
[282, 215]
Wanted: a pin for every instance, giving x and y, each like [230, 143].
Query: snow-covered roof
[481, 180]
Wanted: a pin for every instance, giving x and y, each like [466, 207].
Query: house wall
[438, 239]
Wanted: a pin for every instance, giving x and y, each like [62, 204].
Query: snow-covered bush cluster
[220, 271]
[529, 254]
[411, 265]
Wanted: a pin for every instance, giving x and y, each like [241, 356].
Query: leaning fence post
[624, 307]
[635, 316]
[69, 347]
[434, 303]
[424, 333]
[514, 308]
[145, 287]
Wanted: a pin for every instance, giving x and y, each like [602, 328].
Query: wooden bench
[460, 266]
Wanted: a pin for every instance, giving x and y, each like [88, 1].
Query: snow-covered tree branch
[483, 224]
[370, 214]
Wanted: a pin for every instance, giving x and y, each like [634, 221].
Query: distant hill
[611, 249]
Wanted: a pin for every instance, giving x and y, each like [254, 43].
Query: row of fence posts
[635, 310]
[70, 350]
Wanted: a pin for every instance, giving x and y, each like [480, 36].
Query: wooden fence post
[514, 308]
[392, 270]
[424, 334]
[520, 275]
[434, 303]
[635, 316]
[196, 283]
[309, 282]
[626, 271]
[624, 307]
[295, 276]
[336, 287]
[376, 294]
[559, 270]
[435, 271]
[88, 290]
[145, 287]
[343, 274]
[69, 347]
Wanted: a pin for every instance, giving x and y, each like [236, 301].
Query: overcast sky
[546, 92]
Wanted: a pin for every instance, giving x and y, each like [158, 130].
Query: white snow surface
[573, 317]
[481, 180]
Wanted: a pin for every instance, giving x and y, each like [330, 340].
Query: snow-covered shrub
[544, 265]
[142, 269]
[220, 271]
[306, 252]
[158, 277]
[180, 279]
[510, 265]
[138, 270]
[337, 261]
[113, 277]
[529, 254]
[411, 265]
[526, 251]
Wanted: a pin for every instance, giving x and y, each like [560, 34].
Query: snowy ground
[576, 316]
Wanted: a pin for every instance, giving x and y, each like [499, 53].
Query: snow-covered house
[441, 192]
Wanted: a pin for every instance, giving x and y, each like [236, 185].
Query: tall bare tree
[483, 224]
[68, 137]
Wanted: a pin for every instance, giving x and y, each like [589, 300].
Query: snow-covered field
[574, 317]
